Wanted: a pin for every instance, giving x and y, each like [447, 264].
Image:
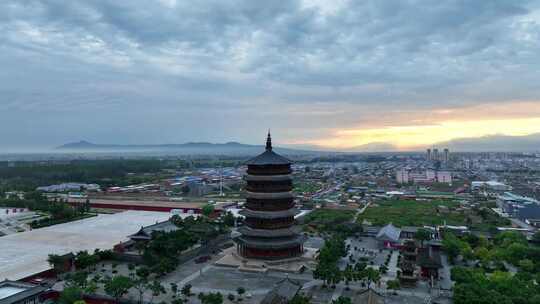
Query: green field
[327, 219]
[411, 213]
[307, 187]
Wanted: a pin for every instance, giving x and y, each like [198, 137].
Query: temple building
[269, 231]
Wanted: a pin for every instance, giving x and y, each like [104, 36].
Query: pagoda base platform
[291, 265]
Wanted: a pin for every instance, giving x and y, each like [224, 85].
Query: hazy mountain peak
[495, 142]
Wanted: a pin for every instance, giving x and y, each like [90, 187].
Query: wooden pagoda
[269, 231]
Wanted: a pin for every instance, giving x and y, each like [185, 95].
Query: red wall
[138, 207]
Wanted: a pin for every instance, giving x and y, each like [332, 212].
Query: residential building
[520, 207]
[492, 186]
[404, 176]
[446, 155]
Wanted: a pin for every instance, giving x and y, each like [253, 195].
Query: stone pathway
[194, 275]
[225, 292]
[392, 266]
[337, 292]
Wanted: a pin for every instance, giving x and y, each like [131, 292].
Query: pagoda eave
[267, 178]
[268, 233]
[270, 244]
[269, 214]
[269, 195]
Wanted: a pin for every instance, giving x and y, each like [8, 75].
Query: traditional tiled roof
[146, 232]
[268, 157]
[26, 291]
[410, 229]
[369, 296]
[389, 232]
[283, 292]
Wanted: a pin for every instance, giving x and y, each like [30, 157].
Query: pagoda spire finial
[269, 142]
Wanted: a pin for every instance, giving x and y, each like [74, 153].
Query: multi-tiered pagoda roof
[269, 231]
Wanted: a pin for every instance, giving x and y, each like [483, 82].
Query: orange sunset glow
[410, 137]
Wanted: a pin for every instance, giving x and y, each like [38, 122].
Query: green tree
[393, 284]
[342, 300]
[157, 289]
[467, 252]
[348, 274]
[327, 269]
[422, 235]
[77, 278]
[228, 219]
[70, 295]
[371, 275]
[57, 262]
[140, 283]
[207, 210]
[506, 238]
[91, 287]
[211, 298]
[186, 290]
[84, 260]
[526, 265]
[174, 289]
[483, 254]
[143, 272]
[240, 291]
[451, 246]
[328, 272]
[300, 299]
[536, 237]
[383, 269]
[118, 286]
[516, 252]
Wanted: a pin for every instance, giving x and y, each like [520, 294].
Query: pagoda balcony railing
[267, 178]
[269, 171]
[283, 201]
[269, 225]
[269, 206]
[269, 195]
[268, 188]
[286, 182]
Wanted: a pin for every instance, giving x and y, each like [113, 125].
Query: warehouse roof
[25, 254]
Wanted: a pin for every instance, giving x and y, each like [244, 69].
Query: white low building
[404, 176]
[490, 186]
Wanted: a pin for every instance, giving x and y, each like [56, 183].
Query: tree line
[506, 268]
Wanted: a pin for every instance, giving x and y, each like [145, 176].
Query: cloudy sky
[333, 73]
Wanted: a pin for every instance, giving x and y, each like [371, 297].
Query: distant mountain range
[490, 143]
[495, 143]
[374, 147]
[203, 148]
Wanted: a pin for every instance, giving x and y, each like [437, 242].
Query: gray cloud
[172, 71]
